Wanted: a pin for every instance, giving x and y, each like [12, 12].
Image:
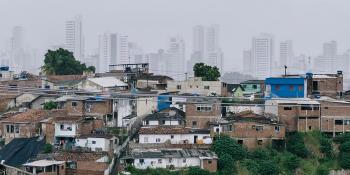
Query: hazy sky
[308, 23]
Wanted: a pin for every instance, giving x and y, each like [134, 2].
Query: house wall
[49, 132]
[210, 164]
[24, 98]
[6, 104]
[91, 167]
[24, 130]
[238, 109]
[166, 162]
[98, 108]
[145, 105]
[332, 111]
[75, 110]
[38, 103]
[197, 86]
[123, 109]
[100, 143]
[65, 132]
[178, 138]
[329, 86]
[202, 118]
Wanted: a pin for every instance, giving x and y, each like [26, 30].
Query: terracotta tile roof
[72, 119]
[78, 156]
[34, 115]
[171, 130]
[63, 78]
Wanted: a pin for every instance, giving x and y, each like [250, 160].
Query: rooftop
[43, 163]
[294, 101]
[33, 115]
[108, 82]
[78, 156]
[164, 116]
[253, 82]
[178, 153]
[172, 130]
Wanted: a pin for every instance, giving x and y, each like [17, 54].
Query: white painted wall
[156, 123]
[65, 132]
[99, 143]
[271, 107]
[123, 109]
[163, 162]
[238, 109]
[177, 138]
[145, 105]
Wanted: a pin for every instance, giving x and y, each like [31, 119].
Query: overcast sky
[308, 23]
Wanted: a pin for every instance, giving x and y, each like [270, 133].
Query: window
[338, 122]
[12, 129]
[287, 108]
[157, 140]
[291, 88]
[255, 86]
[306, 107]
[172, 136]
[194, 123]
[147, 122]
[209, 161]
[190, 86]
[183, 160]
[204, 108]
[316, 108]
[217, 130]
[310, 127]
[74, 103]
[326, 107]
[315, 85]
[230, 128]
[17, 129]
[346, 122]
[62, 127]
[93, 142]
[178, 87]
[8, 128]
[277, 129]
[240, 142]
[159, 160]
[163, 122]
[259, 128]
[277, 87]
[170, 160]
[260, 142]
[206, 87]
[142, 161]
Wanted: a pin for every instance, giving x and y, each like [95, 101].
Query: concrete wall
[177, 138]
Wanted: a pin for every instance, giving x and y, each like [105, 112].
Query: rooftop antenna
[285, 70]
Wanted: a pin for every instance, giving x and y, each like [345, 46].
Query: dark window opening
[338, 122]
[287, 108]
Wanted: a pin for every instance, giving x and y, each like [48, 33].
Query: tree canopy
[208, 73]
[62, 62]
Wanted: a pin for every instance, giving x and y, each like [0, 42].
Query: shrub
[223, 144]
[296, 145]
[344, 160]
[342, 138]
[48, 148]
[197, 171]
[326, 146]
[345, 147]
[291, 162]
[322, 170]
[50, 105]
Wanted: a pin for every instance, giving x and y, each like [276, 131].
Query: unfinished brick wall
[75, 110]
[248, 130]
[210, 164]
[91, 167]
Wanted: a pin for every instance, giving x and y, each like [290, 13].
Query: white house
[174, 159]
[97, 142]
[174, 135]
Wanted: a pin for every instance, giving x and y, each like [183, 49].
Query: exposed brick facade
[210, 164]
[335, 117]
[200, 119]
[91, 108]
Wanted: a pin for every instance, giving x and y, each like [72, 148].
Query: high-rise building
[135, 53]
[327, 61]
[17, 57]
[206, 47]
[107, 51]
[286, 53]
[175, 62]
[123, 50]
[247, 62]
[262, 53]
[158, 62]
[75, 38]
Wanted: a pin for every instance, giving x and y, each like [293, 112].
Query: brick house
[26, 124]
[89, 106]
[335, 117]
[296, 114]
[92, 163]
[251, 130]
[326, 84]
[201, 111]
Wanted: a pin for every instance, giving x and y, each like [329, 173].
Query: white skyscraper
[326, 63]
[107, 51]
[17, 57]
[247, 62]
[175, 63]
[158, 62]
[123, 50]
[75, 38]
[262, 53]
[135, 53]
[213, 53]
[286, 53]
[197, 55]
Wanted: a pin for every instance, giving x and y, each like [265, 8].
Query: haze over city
[308, 24]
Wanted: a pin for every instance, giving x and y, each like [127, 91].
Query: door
[195, 139]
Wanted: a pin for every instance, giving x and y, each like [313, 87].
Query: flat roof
[295, 101]
[44, 163]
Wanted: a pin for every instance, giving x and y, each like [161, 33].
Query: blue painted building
[286, 87]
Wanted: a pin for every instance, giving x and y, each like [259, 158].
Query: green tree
[291, 162]
[50, 105]
[47, 148]
[344, 160]
[208, 73]
[296, 145]
[226, 164]
[326, 146]
[345, 147]
[223, 144]
[62, 62]
[322, 170]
